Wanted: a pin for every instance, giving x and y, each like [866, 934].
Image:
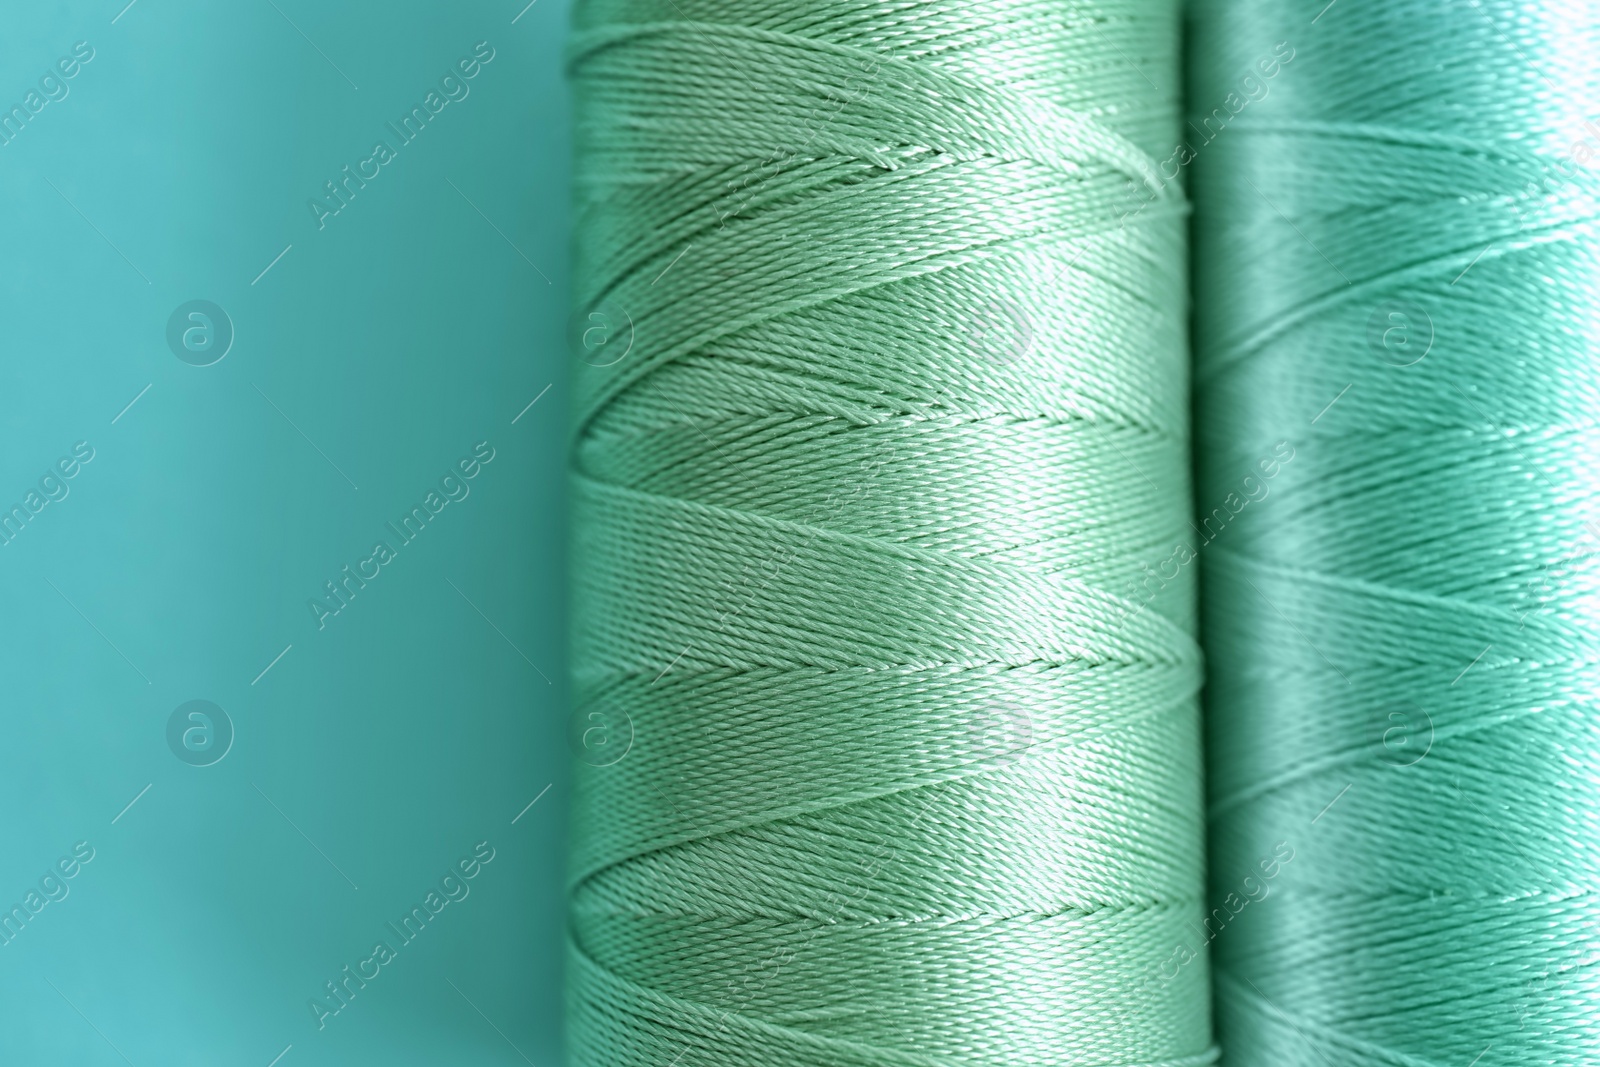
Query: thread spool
[886, 691]
[1397, 278]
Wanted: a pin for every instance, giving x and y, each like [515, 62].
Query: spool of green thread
[1398, 281]
[883, 647]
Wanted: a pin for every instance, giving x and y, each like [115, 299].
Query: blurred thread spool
[883, 645]
[1397, 282]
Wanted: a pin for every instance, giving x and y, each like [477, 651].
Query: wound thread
[883, 646]
[1398, 276]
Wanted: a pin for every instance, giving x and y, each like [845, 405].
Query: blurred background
[245, 347]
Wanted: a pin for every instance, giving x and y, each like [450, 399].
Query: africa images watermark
[337, 195]
[1252, 88]
[52, 888]
[52, 87]
[1251, 490]
[52, 487]
[453, 486]
[453, 887]
[1252, 890]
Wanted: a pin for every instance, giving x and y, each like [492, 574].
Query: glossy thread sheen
[1397, 274]
[879, 493]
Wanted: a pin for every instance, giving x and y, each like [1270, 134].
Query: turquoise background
[376, 352]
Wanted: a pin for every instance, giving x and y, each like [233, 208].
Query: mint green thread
[1397, 272]
[863, 527]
